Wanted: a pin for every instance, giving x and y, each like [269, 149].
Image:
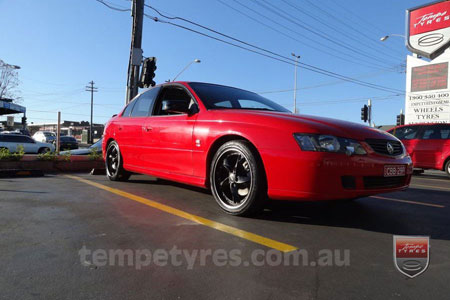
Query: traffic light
[400, 119]
[148, 72]
[24, 120]
[365, 113]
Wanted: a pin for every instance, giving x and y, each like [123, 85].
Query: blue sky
[61, 45]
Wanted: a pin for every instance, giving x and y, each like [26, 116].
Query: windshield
[223, 97]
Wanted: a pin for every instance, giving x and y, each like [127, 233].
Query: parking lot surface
[83, 237]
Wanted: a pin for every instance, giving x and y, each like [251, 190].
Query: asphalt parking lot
[62, 237]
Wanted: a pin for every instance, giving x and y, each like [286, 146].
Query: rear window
[68, 139]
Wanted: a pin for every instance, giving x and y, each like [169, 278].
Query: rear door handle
[147, 128]
[120, 127]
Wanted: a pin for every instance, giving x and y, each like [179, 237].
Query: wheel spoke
[238, 160]
[242, 179]
[226, 165]
[224, 181]
[234, 193]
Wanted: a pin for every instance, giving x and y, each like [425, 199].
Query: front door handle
[147, 128]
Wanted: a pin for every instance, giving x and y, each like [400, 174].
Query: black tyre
[114, 164]
[44, 150]
[447, 168]
[237, 179]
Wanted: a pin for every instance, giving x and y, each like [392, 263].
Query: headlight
[328, 143]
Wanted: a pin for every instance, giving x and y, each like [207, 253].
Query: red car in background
[246, 148]
[427, 144]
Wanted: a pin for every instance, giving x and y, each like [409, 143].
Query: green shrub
[66, 156]
[93, 155]
[47, 156]
[5, 154]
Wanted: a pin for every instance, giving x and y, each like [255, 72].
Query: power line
[112, 7]
[276, 11]
[320, 84]
[364, 23]
[353, 28]
[306, 37]
[303, 42]
[285, 59]
[343, 33]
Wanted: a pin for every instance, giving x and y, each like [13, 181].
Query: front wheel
[44, 150]
[114, 164]
[237, 179]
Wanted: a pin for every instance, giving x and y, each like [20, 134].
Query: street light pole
[188, 65]
[393, 34]
[295, 81]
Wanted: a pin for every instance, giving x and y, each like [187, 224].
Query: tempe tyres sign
[427, 85]
[428, 29]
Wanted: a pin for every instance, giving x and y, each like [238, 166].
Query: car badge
[411, 254]
[390, 148]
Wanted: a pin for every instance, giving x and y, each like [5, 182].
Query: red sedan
[246, 148]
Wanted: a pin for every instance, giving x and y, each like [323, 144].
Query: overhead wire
[304, 42]
[285, 15]
[279, 57]
[273, 55]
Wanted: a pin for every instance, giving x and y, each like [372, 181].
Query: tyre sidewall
[257, 191]
[120, 173]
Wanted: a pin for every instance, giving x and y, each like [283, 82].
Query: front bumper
[315, 176]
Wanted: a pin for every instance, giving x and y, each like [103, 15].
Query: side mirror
[193, 109]
[175, 106]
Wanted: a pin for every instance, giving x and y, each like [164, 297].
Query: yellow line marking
[431, 186]
[197, 219]
[408, 201]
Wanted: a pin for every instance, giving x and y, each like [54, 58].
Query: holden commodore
[247, 149]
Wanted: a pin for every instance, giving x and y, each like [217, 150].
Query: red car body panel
[180, 148]
[428, 153]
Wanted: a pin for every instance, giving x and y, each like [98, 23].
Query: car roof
[196, 82]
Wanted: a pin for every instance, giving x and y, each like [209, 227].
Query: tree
[9, 81]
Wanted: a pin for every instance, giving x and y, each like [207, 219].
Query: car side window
[27, 139]
[176, 96]
[144, 103]
[406, 133]
[128, 109]
[437, 132]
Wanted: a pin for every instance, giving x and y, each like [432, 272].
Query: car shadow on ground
[369, 214]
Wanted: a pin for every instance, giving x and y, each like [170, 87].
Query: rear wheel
[237, 179]
[114, 164]
[447, 168]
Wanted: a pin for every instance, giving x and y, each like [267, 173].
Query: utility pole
[92, 89]
[137, 12]
[58, 134]
[295, 81]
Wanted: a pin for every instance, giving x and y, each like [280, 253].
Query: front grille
[380, 146]
[378, 182]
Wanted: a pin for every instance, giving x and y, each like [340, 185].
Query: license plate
[394, 170]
